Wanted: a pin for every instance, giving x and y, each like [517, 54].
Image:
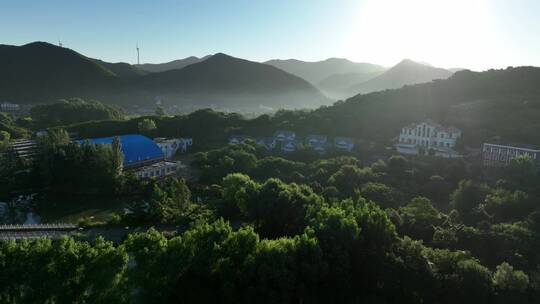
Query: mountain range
[341, 78]
[171, 65]
[407, 72]
[317, 71]
[42, 72]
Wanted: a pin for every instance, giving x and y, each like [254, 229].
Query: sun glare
[445, 33]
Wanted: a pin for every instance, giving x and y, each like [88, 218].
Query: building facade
[157, 170]
[494, 155]
[9, 107]
[170, 146]
[428, 138]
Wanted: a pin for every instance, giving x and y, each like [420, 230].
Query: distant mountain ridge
[226, 79]
[317, 71]
[41, 72]
[407, 72]
[171, 65]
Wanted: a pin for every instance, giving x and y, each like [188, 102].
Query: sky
[473, 34]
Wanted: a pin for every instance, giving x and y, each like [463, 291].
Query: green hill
[486, 105]
[171, 65]
[40, 71]
[406, 72]
[121, 69]
[232, 82]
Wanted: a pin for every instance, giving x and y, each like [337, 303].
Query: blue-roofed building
[138, 150]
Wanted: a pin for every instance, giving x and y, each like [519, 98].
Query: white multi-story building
[172, 145]
[428, 138]
[494, 155]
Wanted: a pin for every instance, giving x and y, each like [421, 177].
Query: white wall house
[428, 138]
[171, 146]
[157, 170]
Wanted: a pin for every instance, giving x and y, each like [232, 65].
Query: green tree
[419, 218]
[381, 194]
[522, 172]
[511, 284]
[468, 196]
[147, 127]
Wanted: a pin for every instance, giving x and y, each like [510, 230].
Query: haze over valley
[41, 72]
[274, 152]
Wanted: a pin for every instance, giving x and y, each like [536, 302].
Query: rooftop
[135, 147]
[516, 145]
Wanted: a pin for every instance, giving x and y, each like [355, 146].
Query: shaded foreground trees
[294, 247]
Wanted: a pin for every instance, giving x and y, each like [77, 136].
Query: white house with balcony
[428, 138]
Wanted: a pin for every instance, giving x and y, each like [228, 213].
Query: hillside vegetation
[40, 72]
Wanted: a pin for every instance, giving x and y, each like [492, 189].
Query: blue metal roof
[136, 148]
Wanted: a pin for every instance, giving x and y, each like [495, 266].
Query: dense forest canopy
[256, 225]
[74, 110]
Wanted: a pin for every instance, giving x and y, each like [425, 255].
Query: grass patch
[74, 210]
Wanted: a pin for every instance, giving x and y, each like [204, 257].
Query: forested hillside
[41, 72]
[495, 103]
[492, 105]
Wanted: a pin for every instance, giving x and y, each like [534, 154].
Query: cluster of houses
[287, 141]
[431, 138]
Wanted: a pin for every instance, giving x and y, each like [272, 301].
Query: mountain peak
[406, 72]
[220, 56]
[408, 61]
[39, 44]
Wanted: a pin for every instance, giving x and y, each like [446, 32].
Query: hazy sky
[455, 33]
